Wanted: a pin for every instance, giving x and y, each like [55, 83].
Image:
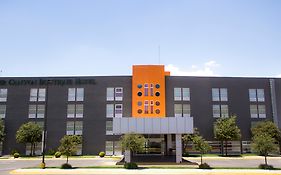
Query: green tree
[68, 145]
[264, 144]
[29, 133]
[269, 128]
[199, 144]
[2, 130]
[186, 138]
[225, 129]
[132, 142]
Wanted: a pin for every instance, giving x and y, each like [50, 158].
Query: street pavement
[7, 165]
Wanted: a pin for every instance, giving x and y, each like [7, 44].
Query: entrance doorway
[154, 145]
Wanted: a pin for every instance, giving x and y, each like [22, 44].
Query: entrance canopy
[167, 125]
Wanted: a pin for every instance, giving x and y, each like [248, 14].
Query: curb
[146, 171]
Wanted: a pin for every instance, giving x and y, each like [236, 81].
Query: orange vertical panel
[151, 75]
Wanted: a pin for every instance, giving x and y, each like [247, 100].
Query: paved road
[7, 165]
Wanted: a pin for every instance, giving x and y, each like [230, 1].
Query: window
[36, 111]
[70, 128]
[220, 111]
[113, 148]
[145, 89]
[252, 95]
[71, 94]
[146, 106]
[186, 110]
[257, 111]
[185, 94]
[2, 111]
[37, 148]
[80, 94]
[79, 110]
[117, 148]
[3, 95]
[40, 111]
[74, 128]
[109, 147]
[151, 89]
[109, 110]
[261, 109]
[181, 94]
[260, 94]
[110, 94]
[37, 94]
[224, 110]
[151, 106]
[109, 127]
[75, 111]
[118, 110]
[216, 111]
[223, 94]
[256, 95]
[75, 94]
[33, 94]
[219, 94]
[78, 127]
[182, 110]
[119, 94]
[70, 111]
[178, 110]
[177, 94]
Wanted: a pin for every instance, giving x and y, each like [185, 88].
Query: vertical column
[127, 156]
[273, 102]
[178, 148]
[169, 143]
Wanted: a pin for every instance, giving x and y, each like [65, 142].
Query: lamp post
[45, 123]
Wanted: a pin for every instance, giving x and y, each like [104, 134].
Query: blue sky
[106, 37]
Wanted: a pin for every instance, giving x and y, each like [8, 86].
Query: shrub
[204, 166]
[16, 155]
[51, 152]
[14, 151]
[267, 167]
[131, 165]
[66, 166]
[42, 165]
[101, 154]
[185, 154]
[57, 154]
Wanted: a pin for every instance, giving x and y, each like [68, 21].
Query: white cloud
[208, 69]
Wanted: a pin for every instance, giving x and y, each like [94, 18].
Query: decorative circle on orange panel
[157, 86]
[157, 94]
[157, 103]
[139, 86]
[139, 111]
[157, 111]
[139, 93]
[139, 103]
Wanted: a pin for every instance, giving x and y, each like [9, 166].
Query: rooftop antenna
[159, 56]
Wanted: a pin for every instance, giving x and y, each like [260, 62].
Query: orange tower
[148, 88]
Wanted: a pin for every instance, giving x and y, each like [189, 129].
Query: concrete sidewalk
[146, 171]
